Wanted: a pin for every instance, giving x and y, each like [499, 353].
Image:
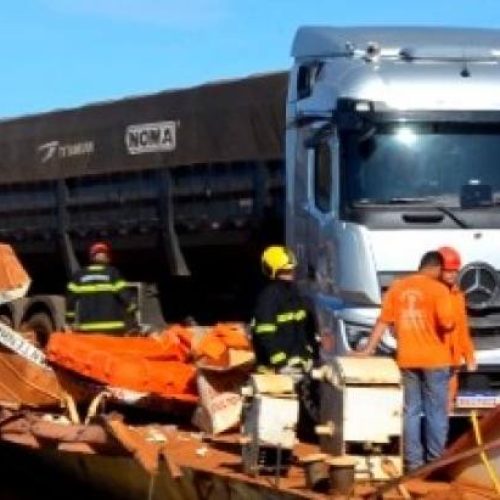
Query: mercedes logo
[479, 282]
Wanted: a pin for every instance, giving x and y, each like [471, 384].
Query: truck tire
[42, 326]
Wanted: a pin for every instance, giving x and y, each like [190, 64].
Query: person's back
[283, 309]
[98, 298]
[283, 332]
[420, 311]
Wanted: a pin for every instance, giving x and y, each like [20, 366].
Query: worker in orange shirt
[462, 348]
[418, 308]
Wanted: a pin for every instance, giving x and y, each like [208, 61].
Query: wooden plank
[428, 469]
[273, 384]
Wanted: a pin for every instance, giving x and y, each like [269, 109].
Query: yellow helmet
[277, 258]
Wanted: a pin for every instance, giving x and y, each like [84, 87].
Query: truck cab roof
[397, 67]
[324, 41]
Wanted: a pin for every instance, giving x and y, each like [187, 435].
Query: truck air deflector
[325, 41]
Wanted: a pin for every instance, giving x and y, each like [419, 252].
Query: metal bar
[70, 260]
[278, 467]
[260, 186]
[170, 241]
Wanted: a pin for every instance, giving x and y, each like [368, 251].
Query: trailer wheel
[41, 324]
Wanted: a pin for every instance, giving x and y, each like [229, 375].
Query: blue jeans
[425, 392]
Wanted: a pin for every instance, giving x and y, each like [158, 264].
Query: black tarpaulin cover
[224, 121]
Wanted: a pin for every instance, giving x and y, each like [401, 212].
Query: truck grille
[480, 284]
[486, 341]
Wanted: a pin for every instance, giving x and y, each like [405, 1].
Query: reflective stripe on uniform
[97, 288]
[120, 285]
[262, 370]
[70, 314]
[265, 328]
[298, 361]
[277, 358]
[291, 316]
[101, 325]
[95, 267]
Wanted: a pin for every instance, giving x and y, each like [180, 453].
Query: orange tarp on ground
[215, 346]
[156, 365]
[12, 274]
[160, 365]
[166, 347]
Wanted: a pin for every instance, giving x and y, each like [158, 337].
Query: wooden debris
[145, 453]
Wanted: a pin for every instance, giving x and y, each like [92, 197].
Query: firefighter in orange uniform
[462, 348]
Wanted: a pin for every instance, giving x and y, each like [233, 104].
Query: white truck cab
[392, 150]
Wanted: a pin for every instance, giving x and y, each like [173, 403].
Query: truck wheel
[41, 324]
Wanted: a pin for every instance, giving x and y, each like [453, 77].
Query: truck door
[315, 227]
[320, 210]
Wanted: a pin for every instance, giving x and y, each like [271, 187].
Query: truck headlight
[356, 334]
[357, 337]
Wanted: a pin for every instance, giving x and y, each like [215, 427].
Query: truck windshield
[426, 163]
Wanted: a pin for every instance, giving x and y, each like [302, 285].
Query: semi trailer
[186, 185]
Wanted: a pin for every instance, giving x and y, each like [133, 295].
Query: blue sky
[64, 53]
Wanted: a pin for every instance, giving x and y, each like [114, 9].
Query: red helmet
[99, 247]
[451, 259]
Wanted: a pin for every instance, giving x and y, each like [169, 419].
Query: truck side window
[323, 177]
[304, 81]
[306, 78]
